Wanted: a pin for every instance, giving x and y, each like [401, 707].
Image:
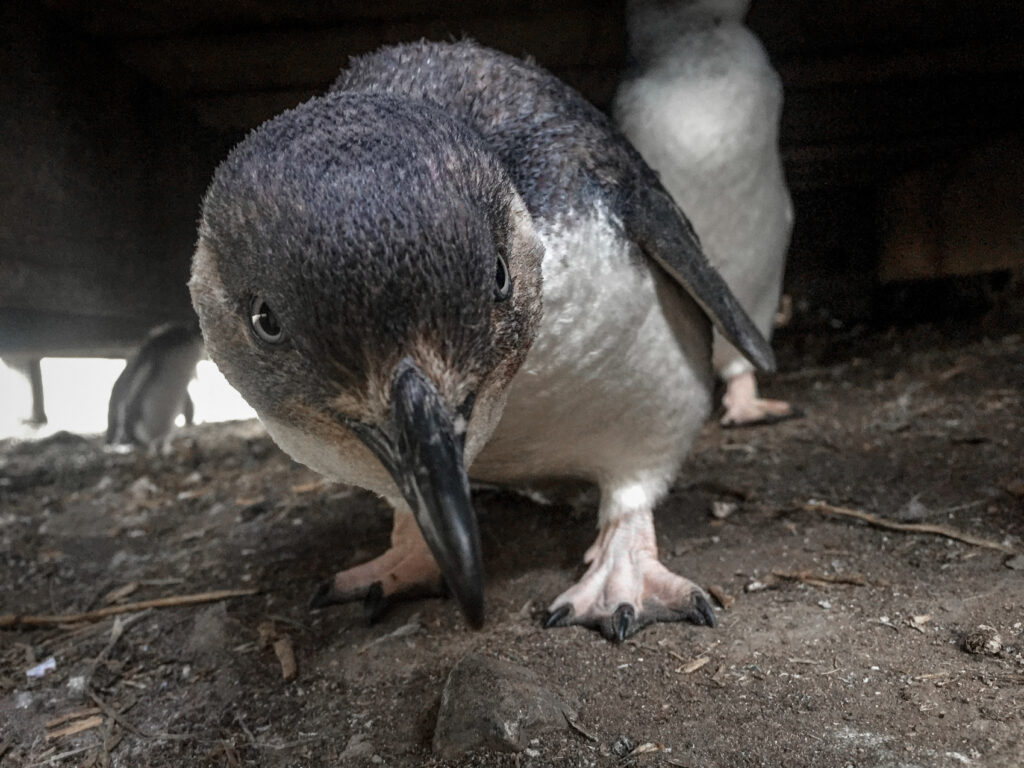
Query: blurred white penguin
[701, 102]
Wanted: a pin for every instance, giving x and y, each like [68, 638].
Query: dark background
[902, 138]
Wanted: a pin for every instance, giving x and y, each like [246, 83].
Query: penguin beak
[423, 453]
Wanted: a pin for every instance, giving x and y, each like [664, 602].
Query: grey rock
[359, 746]
[983, 639]
[495, 705]
[622, 746]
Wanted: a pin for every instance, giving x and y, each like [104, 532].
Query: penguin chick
[153, 387]
[701, 102]
[451, 265]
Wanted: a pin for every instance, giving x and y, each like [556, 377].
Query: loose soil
[842, 643]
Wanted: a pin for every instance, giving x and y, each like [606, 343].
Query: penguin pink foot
[626, 587]
[406, 570]
[743, 408]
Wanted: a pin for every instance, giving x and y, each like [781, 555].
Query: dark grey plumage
[561, 153]
[379, 177]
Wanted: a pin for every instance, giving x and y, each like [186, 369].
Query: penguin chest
[154, 393]
[618, 378]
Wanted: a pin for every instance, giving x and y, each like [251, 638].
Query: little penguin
[702, 103]
[451, 266]
[153, 387]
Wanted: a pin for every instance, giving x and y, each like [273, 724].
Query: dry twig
[76, 727]
[818, 579]
[724, 599]
[285, 657]
[574, 724]
[881, 522]
[8, 620]
[694, 665]
[52, 758]
[76, 714]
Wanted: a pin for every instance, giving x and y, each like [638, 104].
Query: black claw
[622, 622]
[706, 612]
[557, 616]
[374, 604]
[324, 596]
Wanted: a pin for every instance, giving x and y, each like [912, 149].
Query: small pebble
[983, 639]
[76, 685]
[622, 746]
[143, 488]
[722, 509]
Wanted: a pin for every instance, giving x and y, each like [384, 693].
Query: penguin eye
[502, 281]
[264, 321]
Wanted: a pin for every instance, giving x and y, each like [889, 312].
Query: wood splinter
[9, 620]
[891, 525]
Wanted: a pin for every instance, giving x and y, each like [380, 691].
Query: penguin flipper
[663, 232]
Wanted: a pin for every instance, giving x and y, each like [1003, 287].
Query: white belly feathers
[618, 380]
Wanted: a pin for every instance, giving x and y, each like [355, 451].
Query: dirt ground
[842, 645]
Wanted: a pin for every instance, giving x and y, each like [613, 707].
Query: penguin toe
[558, 617]
[615, 627]
[327, 594]
[376, 602]
[760, 413]
[659, 596]
[324, 596]
[623, 623]
[699, 612]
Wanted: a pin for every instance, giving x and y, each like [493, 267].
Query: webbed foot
[407, 570]
[743, 408]
[626, 587]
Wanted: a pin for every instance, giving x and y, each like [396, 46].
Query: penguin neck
[650, 22]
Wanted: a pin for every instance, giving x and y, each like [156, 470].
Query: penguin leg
[406, 570]
[744, 408]
[188, 410]
[626, 587]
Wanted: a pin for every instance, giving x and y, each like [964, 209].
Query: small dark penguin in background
[452, 266]
[153, 387]
[701, 102]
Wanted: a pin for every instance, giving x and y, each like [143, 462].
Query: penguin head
[653, 27]
[365, 269]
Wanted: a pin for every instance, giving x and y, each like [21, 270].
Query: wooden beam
[243, 110]
[65, 334]
[962, 215]
[873, 67]
[311, 58]
[971, 106]
[805, 26]
[115, 19]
